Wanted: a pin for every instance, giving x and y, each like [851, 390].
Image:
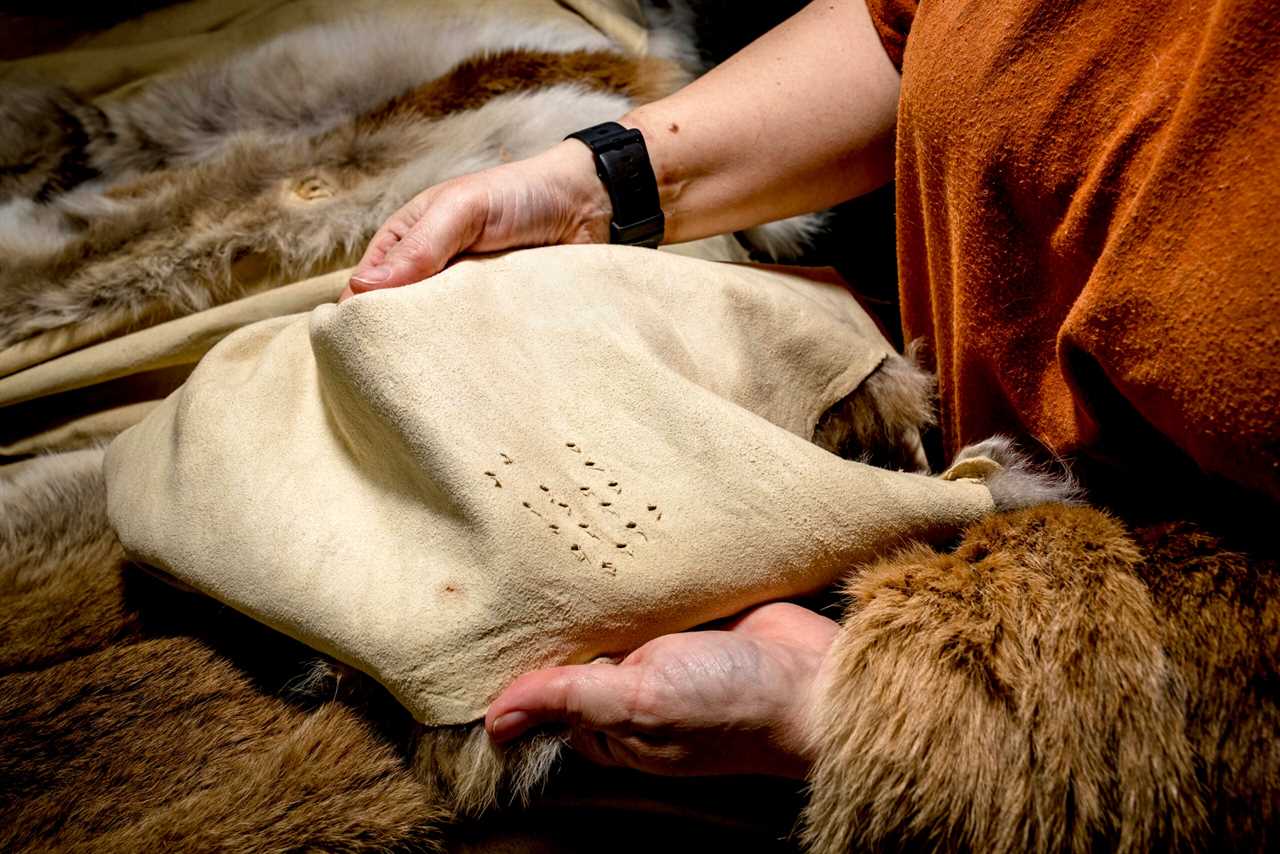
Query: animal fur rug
[280, 162]
[1056, 682]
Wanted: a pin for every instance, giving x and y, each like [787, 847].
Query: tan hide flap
[531, 459]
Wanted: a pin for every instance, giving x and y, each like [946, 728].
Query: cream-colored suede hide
[531, 459]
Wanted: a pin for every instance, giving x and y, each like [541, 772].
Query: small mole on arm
[675, 128]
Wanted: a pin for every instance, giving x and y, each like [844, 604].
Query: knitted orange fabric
[1089, 222]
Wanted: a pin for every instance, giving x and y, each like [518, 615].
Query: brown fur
[263, 208]
[135, 715]
[53, 518]
[170, 723]
[44, 149]
[882, 420]
[473, 82]
[165, 744]
[1053, 686]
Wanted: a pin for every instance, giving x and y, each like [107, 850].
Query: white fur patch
[312, 80]
[29, 229]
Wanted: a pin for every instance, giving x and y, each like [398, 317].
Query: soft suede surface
[531, 459]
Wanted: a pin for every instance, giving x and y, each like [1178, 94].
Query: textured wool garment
[532, 459]
[1089, 223]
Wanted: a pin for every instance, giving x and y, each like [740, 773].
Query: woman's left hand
[734, 701]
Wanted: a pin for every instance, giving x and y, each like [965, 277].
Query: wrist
[587, 211]
[794, 723]
[661, 137]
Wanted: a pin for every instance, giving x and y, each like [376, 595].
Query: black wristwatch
[622, 162]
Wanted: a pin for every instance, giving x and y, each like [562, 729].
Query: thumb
[590, 696]
[412, 258]
[448, 225]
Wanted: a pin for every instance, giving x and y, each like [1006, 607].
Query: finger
[418, 255]
[595, 746]
[447, 227]
[383, 241]
[450, 219]
[586, 696]
[653, 756]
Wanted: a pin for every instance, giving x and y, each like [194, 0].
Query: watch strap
[622, 163]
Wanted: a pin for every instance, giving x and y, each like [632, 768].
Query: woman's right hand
[554, 197]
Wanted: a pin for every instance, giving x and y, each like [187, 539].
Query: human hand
[552, 198]
[734, 701]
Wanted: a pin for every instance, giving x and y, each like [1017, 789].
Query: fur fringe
[461, 767]
[784, 240]
[881, 422]
[1050, 686]
[1021, 482]
[53, 518]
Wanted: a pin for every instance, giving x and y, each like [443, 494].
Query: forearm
[799, 120]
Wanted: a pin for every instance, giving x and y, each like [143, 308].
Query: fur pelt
[1055, 684]
[1022, 481]
[280, 163]
[84, 634]
[882, 421]
[137, 716]
[73, 606]
[134, 716]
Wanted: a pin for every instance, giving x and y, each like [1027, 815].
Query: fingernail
[373, 275]
[509, 725]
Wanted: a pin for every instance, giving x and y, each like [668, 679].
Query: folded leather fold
[531, 459]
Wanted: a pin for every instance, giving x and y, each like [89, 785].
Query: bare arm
[799, 120]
